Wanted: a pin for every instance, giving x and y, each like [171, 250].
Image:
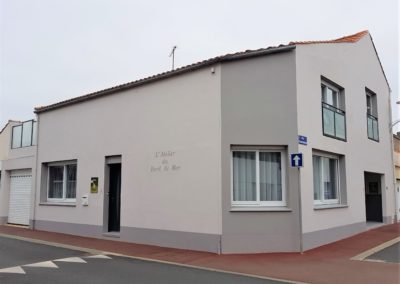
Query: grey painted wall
[259, 108]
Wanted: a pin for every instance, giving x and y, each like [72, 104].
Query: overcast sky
[54, 50]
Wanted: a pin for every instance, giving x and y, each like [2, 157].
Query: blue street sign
[302, 140]
[296, 160]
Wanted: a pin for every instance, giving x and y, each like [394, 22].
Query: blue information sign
[302, 140]
[296, 160]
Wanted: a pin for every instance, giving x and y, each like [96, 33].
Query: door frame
[381, 193]
[115, 159]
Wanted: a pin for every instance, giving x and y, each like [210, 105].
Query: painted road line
[44, 264]
[15, 269]
[71, 259]
[365, 254]
[102, 256]
[375, 260]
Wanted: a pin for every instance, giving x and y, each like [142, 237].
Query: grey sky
[54, 50]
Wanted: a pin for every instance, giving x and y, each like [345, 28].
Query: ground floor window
[62, 182]
[326, 179]
[258, 177]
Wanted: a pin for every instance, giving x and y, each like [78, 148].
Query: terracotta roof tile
[346, 39]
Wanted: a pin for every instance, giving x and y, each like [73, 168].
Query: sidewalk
[327, 264]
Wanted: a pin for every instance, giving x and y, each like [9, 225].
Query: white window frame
[258, 202]
[32, 135]
[324, 201]
[372, 114]
[64, 165]
[338, 95]
[370, 108]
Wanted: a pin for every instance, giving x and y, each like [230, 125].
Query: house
[17, 157]
[396, 156]
[198, 157]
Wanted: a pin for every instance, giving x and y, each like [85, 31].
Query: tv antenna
[173, 56]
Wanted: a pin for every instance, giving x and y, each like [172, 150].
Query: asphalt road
[59, 265]
[389, 254]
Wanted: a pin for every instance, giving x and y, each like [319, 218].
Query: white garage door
[20, 197]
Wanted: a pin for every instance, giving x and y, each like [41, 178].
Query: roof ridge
[345, 39]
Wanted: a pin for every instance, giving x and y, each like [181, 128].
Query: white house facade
[198, 157]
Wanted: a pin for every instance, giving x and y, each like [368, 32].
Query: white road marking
[46, 264]
[71, 259]
[365, 254]
[99, 256]
[374, 260]
[15, 269]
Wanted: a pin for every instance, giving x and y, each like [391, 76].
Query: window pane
[375, 129]
[34, 138]
[329, 126]
[369, 104]
[340, 126]
[71, 181]
[27, 134]
[56, 174]
[317, 177]
[270, 176]
[330, 96]
[16, 136]
[244, 176]
[370, 128]
[323, 92]
[329, 177]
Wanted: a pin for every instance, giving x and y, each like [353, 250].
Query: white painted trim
[258, 203]
[64, 190]
[324, 201]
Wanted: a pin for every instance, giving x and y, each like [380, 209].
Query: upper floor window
[372, 116]
[258, 177]
[333, 115]
[24, 135]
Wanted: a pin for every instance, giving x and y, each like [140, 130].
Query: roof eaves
[9, 122]
[380, 63]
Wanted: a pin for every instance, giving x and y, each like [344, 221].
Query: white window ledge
[259, 209]
[66, 204]
[329, 206]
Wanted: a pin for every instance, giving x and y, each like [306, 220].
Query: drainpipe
[36, 171]
[391, 125]
[300, 215]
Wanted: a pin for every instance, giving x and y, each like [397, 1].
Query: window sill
[65, 204]
[335, 137]
[330, 206]
[259, 209]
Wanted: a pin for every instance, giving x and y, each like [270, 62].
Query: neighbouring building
[198, 157]
[17, 158]
[396, 156]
